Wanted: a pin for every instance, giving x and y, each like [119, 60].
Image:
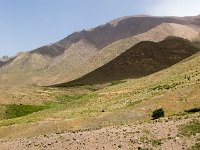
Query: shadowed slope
[110, 52]
[1, 63]
[140, 60]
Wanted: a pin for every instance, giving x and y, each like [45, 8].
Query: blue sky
[28, 24]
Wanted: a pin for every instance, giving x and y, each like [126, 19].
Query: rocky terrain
[163, 134]
[4, 58]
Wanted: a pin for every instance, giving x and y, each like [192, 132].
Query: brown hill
[140, 60]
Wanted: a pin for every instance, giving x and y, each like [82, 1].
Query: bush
[193, 110]
[158, 113]
[165, 87]
[156, 143]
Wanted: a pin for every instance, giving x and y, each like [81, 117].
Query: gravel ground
[158, 135]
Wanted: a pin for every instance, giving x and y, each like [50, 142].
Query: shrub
[165, 87]
[193, 110]
[156, 143]
[158, 113]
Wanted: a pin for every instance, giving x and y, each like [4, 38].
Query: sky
[29, 24]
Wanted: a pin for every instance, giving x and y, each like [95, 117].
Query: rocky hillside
[64, 60]
[4, 58]
[140, 60]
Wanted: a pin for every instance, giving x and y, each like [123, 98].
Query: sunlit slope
[174, 89]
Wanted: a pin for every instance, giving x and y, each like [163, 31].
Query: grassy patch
[78, 98]
[190, 129]
[165, 86]
[132, 104]
[117, 82]
[67, 99]
[156, 143]
[195, 147]
[15, 111]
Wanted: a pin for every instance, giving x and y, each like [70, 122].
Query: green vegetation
[165, 87]
[75, 99]
[111, 105]
[156, 143]
[195, 147]
[117, 82]
[14, 111]
[190, 129]
[131, 104]
[67, 99]
[158, 113]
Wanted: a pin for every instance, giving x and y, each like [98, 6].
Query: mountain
[1, 63]
[113, 50]
[4, 58]
[83, 52]
[140, 60]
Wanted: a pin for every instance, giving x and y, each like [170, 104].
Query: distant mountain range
[83, 52]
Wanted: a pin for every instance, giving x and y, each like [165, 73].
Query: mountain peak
[116, 21]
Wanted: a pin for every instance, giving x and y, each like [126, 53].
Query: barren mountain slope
[55, 63]
[112, 51]
[140, 60]
[4, 58]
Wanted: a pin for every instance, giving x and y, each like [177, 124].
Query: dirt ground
[159, 135]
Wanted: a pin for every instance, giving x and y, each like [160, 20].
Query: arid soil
[160, 134]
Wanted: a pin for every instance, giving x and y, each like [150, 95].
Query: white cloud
[176, 8]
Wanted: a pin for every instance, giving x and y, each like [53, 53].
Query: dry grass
[123, 103]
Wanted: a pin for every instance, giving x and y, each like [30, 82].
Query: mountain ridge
[54, 63]
[143, 59]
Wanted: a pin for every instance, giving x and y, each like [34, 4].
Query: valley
[94, 91]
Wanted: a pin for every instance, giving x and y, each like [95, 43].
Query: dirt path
[157, 135]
